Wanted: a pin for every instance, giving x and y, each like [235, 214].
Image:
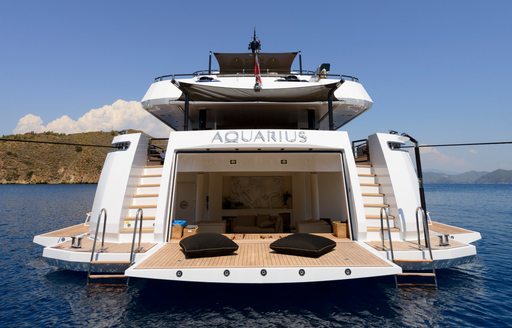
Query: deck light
[179, 273]
[348, 272]
[226, 273]
[284, 161]
[302, 272]
[263, 272]
[232, 161]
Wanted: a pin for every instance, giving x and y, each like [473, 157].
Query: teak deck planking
[108, 247]
[68, 231]
[254, 252]
[447, 229]
[413, 245]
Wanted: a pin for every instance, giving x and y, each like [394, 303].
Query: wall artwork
[245, 192]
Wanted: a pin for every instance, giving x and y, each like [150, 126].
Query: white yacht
[256, 156]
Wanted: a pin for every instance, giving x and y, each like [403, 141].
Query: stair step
[145, 195]
[371, 194]
[153, 166]
[142, 206]
[376, 205]
[378, 229]
[109, 262]
[148, 185]
[370, 184]
[414, 261]
[418, 274]
[145, 218]
[377, 217]
[107, 276]
[413, 284]
[151, 176]
[367, 175]
[363, 165]
[144, 230]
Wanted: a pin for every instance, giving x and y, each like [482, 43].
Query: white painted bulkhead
[118, 183]
[208, 154]
[399, 182]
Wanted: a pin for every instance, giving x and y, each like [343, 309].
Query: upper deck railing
[244, 73]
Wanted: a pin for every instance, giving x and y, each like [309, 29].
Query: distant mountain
[478, 177]
[498, 176]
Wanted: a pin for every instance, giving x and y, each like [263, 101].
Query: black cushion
[303, 244]
[207, 245]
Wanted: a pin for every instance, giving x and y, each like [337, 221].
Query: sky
[438, 70]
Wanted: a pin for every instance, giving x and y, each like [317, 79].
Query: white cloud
[29, 123]
[120, 115]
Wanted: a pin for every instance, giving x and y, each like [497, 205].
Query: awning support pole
[185, 118]
[210, 64]
[329, 108]
[300, 62]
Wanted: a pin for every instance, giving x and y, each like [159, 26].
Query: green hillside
[32, 163]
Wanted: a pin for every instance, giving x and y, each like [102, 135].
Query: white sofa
[312, 226]
[261, 223]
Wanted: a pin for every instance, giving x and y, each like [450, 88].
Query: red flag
[257, 73]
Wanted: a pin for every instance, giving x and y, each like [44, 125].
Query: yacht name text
[266, 136]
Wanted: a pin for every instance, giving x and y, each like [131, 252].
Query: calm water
[34, 294]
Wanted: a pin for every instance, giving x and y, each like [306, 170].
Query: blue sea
[33, 294]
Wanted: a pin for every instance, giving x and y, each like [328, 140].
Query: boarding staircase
[379, 221]
[108, 272]
[373, 201]
[146, 198]
[426, 276]
[423, 272]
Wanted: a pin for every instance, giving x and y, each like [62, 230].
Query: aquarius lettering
[266, 136]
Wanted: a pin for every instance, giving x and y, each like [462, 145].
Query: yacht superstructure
[256, 155]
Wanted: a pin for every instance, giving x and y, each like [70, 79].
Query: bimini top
[233, 63]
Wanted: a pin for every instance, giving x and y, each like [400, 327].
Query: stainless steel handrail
[426, 230]
[138, 219]
[418, 210]
[263, 73]
[87, 218]
[385, 210]
[103, 214]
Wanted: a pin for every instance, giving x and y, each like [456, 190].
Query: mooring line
[462, 144]
[55, 143]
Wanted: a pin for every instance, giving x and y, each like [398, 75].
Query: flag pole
[255, 47]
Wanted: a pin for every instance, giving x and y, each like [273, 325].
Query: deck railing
[361, 150]
[156, 149]
[246, 73]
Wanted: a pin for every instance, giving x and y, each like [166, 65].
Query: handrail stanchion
[418, 210]
[138, 219]
[426, 231]
[103, 214]
[385, 211]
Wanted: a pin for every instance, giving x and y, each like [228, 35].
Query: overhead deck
[226, 98]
